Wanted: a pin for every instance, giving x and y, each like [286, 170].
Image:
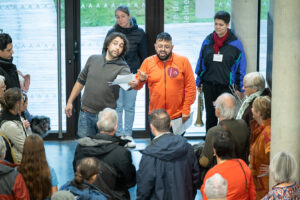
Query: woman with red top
[260, 144]
[234, 171]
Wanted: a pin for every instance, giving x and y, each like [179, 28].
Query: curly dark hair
[35, 169]
[111, 37]
[5, 39]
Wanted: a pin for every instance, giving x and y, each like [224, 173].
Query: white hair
[2, 79]
[215, 187]
[107, 120]
[283, 167]
[2, 147]
[226, 111]
[255, 80]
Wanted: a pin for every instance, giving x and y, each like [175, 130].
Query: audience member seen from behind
[82, 185]
[235, 171]
[12, 185]
[283, 170]
[221, 65]
[260, 139]
[63, 195]
[39, 177]
[11, 124]
[254, 86]
[216, 187]
[225, 111]
[94, 78]
[137, 52]
[108, 149]
[168, 168]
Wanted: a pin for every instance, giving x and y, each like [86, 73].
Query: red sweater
[12, 185]
[232, 171]
[171, 84]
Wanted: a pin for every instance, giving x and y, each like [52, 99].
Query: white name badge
[218, 57]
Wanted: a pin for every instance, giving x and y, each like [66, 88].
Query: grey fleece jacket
[95, 76]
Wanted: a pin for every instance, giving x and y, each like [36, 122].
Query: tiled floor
[60, 156]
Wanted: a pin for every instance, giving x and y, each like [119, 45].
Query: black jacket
[107, 149]
[9, 71]
[138, 45]
[168, 170]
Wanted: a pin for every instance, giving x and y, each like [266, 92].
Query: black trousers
[211, 93]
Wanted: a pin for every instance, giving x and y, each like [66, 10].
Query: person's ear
[93, 178]
[115, 128]
[98, 125]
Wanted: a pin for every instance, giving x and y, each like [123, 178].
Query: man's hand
[133, 83]
[185, 118]
[69, 109]
[142, 76]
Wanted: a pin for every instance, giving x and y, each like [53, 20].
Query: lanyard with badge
[218, 57]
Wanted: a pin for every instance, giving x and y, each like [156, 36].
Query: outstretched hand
[133, 83]
[142, 76]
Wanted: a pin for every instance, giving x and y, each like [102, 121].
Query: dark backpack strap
[244, 175]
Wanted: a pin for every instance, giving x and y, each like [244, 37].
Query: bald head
[225, 106]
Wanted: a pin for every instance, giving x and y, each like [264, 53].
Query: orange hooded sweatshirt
[171, 84]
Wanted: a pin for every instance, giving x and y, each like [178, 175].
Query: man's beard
[164, 58]
[112, 56]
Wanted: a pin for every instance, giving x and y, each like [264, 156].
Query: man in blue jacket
[168, 168]
[221, 66]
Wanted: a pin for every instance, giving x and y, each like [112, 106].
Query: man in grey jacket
[98, 71]
[225, 112]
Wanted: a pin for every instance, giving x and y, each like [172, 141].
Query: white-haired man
[216, 187]
[225, 111]
[12, 185]
[109, 149]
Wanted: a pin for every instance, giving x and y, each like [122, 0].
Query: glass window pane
[97, 18]
[33, 28]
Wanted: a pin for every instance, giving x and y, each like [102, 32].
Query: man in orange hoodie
[170, 80]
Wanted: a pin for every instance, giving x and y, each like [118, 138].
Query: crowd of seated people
[104, 169]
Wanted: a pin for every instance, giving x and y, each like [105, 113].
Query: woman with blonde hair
[260, 144]
[39, 177]
[283, 170]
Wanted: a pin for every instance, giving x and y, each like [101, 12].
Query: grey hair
[107, 120]
[283, 167]
[255, 80]
[2, 147]
[226, 111]
[215, 187]
[2, 79]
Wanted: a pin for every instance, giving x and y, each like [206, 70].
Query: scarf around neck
[246, 103]
[219, 41]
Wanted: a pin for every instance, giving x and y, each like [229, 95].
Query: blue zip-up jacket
[230, 71]
[168, 170]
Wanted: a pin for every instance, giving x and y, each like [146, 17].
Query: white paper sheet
[123, 80]
[178, 127]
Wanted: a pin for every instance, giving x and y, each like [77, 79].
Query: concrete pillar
[244, 25]
[285, 125]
